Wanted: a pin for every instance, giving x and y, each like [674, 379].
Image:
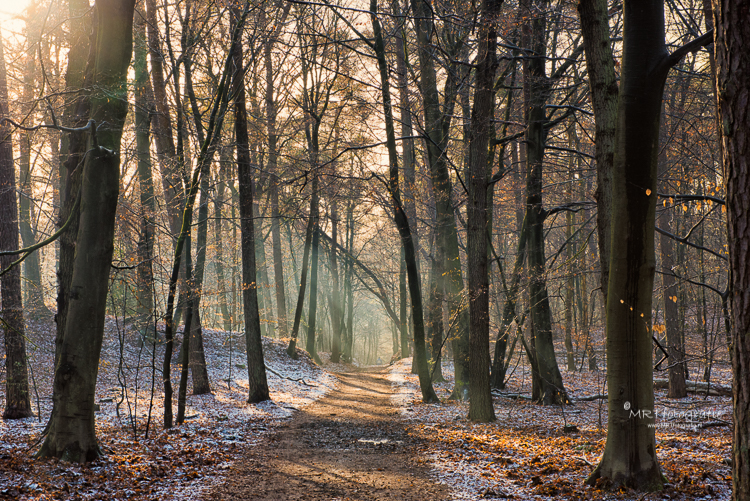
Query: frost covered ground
[527, 454]
[176, 464]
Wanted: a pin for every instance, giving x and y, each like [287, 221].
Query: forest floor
[342, 432]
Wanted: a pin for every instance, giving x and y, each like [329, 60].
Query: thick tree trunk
[73, 149]
[256, 369]
[733, 79]
[480, 399]
[17, 403]
[70, 434]
[630, 454]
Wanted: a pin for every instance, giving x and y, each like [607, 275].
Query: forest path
[350, 445]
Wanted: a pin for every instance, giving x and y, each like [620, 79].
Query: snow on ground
[176, 464]
[528, 454]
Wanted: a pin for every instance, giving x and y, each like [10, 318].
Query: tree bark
[72, 149]
[143, 106]
[480, 399]
[256, 369]
[17, 403]
[547, 380]
[630, 453]
[732, 39]
[603, 84]
[435, 129]
[70, 433]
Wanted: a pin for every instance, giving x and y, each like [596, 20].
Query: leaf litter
[546, 453]
[181, 463]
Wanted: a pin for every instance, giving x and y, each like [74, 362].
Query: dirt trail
[350, 445]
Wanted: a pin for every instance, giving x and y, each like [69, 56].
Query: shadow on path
[350, 445]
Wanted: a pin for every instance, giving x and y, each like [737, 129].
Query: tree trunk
[256, 369]
[225, 158]
[671, 313]
[403, 343]
[480, 399]
[315, 248]
[603, 84]
[70, 434]
[547, 378]
[292, 349]
[337, 319]
[17, 403]
[446, 223]
[32, 267]
[272, 168]
[407, 130]
[349, 338]
[402, 223]
[630, 454]
[73, 150]
[733, 79]
[143, 104]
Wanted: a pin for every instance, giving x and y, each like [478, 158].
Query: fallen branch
[713, 389]
[713, 424]
[300, 380]
[591, 398]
